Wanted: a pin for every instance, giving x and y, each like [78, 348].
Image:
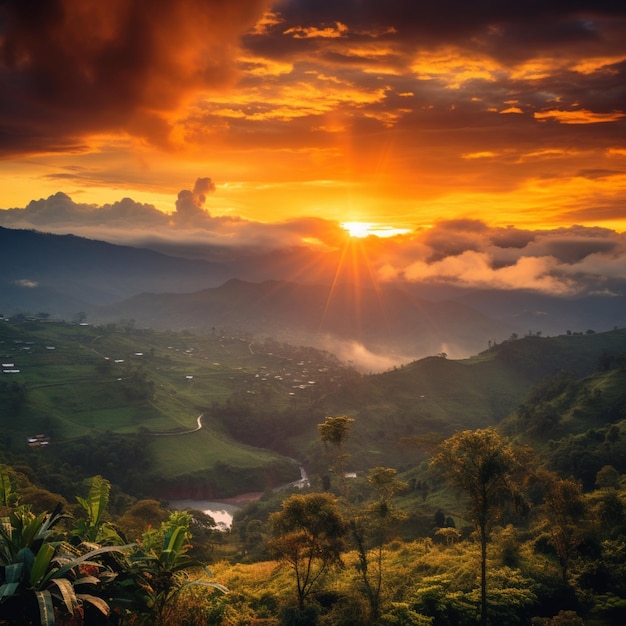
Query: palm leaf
[26, 556]
[87, 580]
[205, 583]
[41, 563]
[8, 495]
[13, 578]
[13, 573]
[60, 573]
[8, 589]
[95, 504]
[46, 608]
[99, 603]
[67, 593]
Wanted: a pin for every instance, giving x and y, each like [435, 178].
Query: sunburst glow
[365, 229]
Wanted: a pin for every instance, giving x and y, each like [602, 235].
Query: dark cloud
[453, 237]
[559, 261]
[70, 67]
[595, 174]
[511, 29]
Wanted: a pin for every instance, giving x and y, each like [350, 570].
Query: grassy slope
[439, 395]
[75, 390]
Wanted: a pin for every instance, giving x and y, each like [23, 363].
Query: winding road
[182, 432]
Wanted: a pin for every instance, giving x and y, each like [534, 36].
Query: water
[222, 513]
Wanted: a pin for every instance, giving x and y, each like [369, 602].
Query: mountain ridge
[374, 325]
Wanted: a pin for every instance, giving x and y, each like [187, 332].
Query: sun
[357, 229]
[361, 230]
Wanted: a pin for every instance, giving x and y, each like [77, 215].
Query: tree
[369, 526]
[607, 477]
[489, 470]
[565, 518]
[333, 433]
[309, 534]
[370, 532]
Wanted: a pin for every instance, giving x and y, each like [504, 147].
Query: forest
[514, 520]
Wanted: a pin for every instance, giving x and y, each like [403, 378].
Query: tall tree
[369, 525]
[334, 432]
[490, 470]
[309, 534]
[370, 532]
[566, 518]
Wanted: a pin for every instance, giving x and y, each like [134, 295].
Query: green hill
[397, 410]
[125, 402]
[79, 384]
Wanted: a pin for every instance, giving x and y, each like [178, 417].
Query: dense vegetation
[486, 491]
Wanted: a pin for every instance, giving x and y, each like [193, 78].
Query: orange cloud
[582, 116]
[77, 68]
[327, 32]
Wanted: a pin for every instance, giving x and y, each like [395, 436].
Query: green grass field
[81, 380]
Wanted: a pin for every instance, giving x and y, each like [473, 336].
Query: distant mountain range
[62, 275]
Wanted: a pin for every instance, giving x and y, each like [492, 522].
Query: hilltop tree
[490, 471]
[334, 432]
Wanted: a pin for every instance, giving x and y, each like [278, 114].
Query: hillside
[399, 409]
[97, 391]
[79, 385]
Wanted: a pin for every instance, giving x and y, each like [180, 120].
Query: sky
[483, 143]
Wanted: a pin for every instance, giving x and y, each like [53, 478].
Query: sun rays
[355, 285]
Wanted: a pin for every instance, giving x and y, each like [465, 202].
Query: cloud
[59, 213]
[470, 254]
[27, 283]
[361, 357]
[69, 69]
[188, 227]
[476, 270]
[464, 253]
[189, 205]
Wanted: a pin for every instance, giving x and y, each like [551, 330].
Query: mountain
[309, 300]
[439, 396]
[59, 273]
[387, 321]
[532, 312]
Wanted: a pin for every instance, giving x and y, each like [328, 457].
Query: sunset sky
[489, 137]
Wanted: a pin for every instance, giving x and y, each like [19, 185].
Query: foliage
[370, 532]
[94, 528]
[490, 471]
[400, 614]
[161, 567]
[565, 519]
[50, 574]
[42, 578]
[309, 535]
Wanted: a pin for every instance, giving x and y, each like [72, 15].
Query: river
[222, 511]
